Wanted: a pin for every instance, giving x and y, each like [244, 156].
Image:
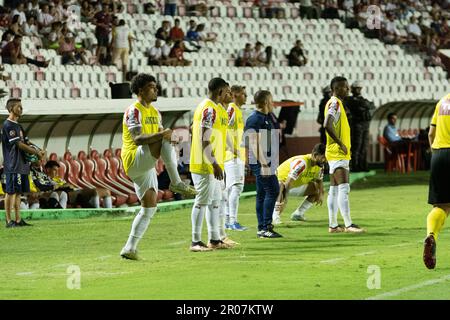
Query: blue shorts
[17, 183]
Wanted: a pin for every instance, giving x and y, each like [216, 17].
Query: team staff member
[438, 195]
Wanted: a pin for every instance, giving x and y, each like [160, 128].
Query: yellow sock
[435, 221]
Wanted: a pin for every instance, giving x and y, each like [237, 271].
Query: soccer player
[305, 173]
[235, 158]
[144, 141]
[209, 132]
[262, 138]
[338, 156]
[15, 144]
[438, 195]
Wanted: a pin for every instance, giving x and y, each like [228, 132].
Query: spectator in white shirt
[259, 55]
[392, 34]
[45, 20]
[121, 43]
[245, 56]
[414, 31]
[30, 30]
[155, 54]
[21, 12]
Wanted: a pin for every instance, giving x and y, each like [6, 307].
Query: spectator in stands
[15, 144]
[102, 21]
[155, 54]
[86, 198]
[163, 32]
[170, 7]
[245, 56]
[202, 35]
[53, 38]
[414, 31]
[45, 20]
[361, 110]
[15, 27]
[33, 8]
[7, 36]
[259, 57]
[177, 52]
[176, 33]
[192, 36]
[87, 11]
[326, 92]
[297, 56]
[390, 132]
[12, 54]
[70, 54]
[30, 30]
[20, 11]
[196, 8]
[392, 34]
[308, 10]
[122, 45]
[330, 11]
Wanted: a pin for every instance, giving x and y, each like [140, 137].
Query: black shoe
[11, 224]
[22, 223]
[270, 234]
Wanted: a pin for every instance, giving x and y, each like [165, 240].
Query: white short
[142, 172]
[299, 191]
[234, 172]
[208, 188]
[335, 164]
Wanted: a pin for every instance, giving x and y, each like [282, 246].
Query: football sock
[300, 211]
[107, 202]
[435, 221]
[139, 226]
[332, 202]
[63, 200]
[344, 205]
[34, 206]
[198, 213]
[169, 157]
[222, 215]
[233, 201]
[212, 221]
[276, 210]
[95, 201]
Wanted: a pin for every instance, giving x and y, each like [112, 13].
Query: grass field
[308, 263]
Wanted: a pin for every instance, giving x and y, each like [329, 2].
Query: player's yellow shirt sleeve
[33, 187]
[235, 131]
[300, 170]
[147, 118]
[441, 119]
[211, 116]
[333, 152]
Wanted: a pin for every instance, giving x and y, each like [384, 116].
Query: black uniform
[361, 110]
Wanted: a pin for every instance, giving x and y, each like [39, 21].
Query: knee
[238, 188]
[344, 188]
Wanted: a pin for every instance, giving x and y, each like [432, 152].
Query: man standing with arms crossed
[338, 156]
[144, 141]
[235, 159]
[438, 196]
[15, 144]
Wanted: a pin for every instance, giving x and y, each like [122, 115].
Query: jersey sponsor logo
[298, 168]
[151, 120]
[444, 110]
[12, 133]
[132, 117]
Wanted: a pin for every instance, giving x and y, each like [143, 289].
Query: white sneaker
[353, 228]
[229, 242]
[297, 217]
[183, 189]
[129, 254]
[276, 219]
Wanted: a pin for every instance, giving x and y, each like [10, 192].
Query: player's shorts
[142, 172]
[234, 172]
[17, 183]
[208, 188]
[438, 191]
[335, 164]
[299, 191]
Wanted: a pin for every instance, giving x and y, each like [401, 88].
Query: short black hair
[215, 84]
[11, 103]
[261, 97]
[140, 80]
[319, 149]
[237, 88]
[50, 164]
[391, 114]
[336, 80]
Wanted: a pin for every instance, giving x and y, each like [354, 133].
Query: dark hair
[261, 97]
[336, 80]
[15, 18]
[237, 88]
[391, 114]
[319, 149]
[11, 103]
[258, 43]
[216, 84]
[121, 22]
[139, 81]
[50, 164]
[17, 36]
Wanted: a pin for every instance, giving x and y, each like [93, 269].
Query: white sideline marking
[104, 257]
[63, 265]
[335, 260]
[365, 253]
[400, 245]
[177, 243]
[410, 288]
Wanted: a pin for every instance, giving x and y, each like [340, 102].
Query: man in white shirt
[155, 54]
[414, 31]
[122, 45]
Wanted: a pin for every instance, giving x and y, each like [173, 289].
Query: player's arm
[26, 148]
[432, 134]
[209, 152]
[330, 130]
[254, 144]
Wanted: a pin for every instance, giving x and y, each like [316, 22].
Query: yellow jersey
[235, 131]
[212, 116]
[147, 118]
[1, 190]
[33, 187]
[59, 182]
[335, 108]
[300, 170]
[441, 120]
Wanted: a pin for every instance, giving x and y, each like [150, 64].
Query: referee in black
[15, 144]
[439, 194]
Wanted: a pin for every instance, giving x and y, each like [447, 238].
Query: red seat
[396, 158]
[113, 169]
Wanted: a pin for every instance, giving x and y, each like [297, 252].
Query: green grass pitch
[307, 263]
